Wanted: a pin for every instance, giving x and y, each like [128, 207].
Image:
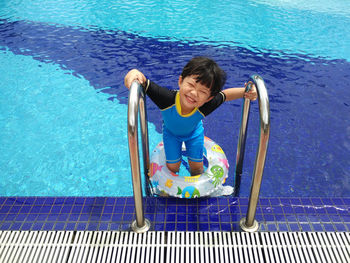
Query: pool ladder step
[116, 246]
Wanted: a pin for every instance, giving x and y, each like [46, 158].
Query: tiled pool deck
[170, 214]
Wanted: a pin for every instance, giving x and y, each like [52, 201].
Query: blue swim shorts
[173, 146]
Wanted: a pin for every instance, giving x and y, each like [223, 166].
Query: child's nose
[194, 92]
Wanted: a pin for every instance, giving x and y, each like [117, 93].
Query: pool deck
[171, 214]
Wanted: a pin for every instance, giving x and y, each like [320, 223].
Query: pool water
[63, 105]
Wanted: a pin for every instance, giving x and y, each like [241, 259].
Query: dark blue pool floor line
[171, 214]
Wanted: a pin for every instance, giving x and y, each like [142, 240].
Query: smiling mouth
[190, 100]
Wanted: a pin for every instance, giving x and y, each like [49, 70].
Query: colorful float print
[209, 183]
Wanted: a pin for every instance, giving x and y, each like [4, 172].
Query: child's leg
[174, 167]
[172, 149]
[196, 167]
[194, 149]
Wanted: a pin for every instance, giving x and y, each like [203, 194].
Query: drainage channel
[116, 246]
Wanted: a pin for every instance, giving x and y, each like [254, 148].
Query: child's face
[193, 94]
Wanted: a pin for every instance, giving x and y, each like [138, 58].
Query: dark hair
[208, 73]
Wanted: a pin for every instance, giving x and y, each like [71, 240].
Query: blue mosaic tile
[181, 209]
[182, 217]
[50, 217]
[5, 209]
[10, 217]
[117, 217]
[79, 201]
[59, 226]
[346, 218]
[243, 201]
[120, 201]
[233, 200]
[316, 201]
[306, 201]
[41, 217]
[335, 218]
[288, 210]
[159, 227]
[203, 227]
[340, 227]
[235, 217]
[14, 209]
[282, 227]
[37, 226]
[103, 226]
[262, 227]
[2, 200]
[223, 201]
[285, 201]
[329, 227]
[170, 217]
[170, 227]
[91, 213]
[299, 210]
[118, 209]
[305, 227]
[106, 217]
[159, 217]
[214, 227]
[279, 218]
[226, 227]
[171, 209]
[271, 227]
[129, 209]
[313, 218]
[294, 227]
[17, 225]
[317, 227]
[70, 226]
[214, 218]
[93, 226]
[26, 226]
[114, 227]
[5, 226]
[181, 227]
[225, 218]
[321, 210]
[81, 226]
[264, 202]
[49, 201]
[346, 201]
[130, 201]
[269, 218]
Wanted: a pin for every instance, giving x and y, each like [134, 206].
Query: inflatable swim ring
[209, 183]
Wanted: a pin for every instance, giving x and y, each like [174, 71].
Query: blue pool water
[63, 104]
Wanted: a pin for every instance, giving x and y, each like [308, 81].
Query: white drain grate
[110, 246]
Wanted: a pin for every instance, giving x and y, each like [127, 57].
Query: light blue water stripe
[58, 135]
[318, 28]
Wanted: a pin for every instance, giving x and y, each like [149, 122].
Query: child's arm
[238, 93]
[132, 75]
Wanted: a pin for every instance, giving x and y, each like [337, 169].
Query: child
[199, 94]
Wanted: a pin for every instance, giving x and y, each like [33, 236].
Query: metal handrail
[249, 223]
[137, 101]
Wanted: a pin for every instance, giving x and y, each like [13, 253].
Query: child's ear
[180, 80]
[210, 98]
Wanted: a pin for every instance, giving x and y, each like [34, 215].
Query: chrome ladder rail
[137, 101]
[249, 223]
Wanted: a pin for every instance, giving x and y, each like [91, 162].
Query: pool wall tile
[171, 214]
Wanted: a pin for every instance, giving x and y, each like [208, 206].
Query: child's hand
[132, 75]
[251, 94]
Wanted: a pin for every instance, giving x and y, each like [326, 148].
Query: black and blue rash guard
[168, 102]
